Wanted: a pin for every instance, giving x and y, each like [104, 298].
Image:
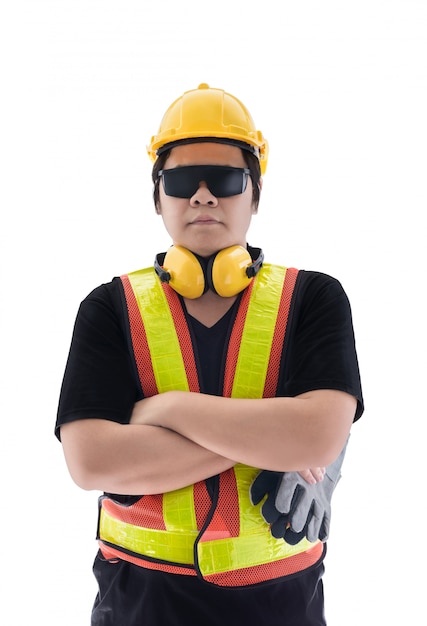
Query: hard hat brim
[231, 142]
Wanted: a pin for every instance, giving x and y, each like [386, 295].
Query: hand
[269, 483]
[294, 508]
[313, 475]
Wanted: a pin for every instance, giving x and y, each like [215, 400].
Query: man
[187, 379]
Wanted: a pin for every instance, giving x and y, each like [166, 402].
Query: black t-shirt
[101, 381]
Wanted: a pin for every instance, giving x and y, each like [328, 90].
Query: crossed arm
[178, 438]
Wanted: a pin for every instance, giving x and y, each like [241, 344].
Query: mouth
[204, 220]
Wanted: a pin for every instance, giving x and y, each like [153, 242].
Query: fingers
[313, 475]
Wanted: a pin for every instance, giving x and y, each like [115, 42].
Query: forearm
[129, 459]
[281, 434]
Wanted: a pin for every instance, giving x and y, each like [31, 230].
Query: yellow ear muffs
[186, 274]
[227, 271]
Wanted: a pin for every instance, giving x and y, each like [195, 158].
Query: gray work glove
[294, 508]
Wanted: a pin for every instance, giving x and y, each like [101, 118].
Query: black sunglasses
[222, 181]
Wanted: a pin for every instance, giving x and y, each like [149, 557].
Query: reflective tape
[162, 339]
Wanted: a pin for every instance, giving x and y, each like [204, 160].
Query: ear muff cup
[187, 276]
[227, 272]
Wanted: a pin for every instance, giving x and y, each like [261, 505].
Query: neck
[209, 308]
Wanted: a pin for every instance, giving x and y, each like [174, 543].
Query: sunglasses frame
[205, 170]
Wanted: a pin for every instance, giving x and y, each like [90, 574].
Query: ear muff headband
[227, 272]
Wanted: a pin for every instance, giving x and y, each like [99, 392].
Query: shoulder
[313, 281]
[310, 280]
[108, 299]
[319, 300]
[109, 295]
[105, 304]
[311, 285]
[314, 288]
[105, 297]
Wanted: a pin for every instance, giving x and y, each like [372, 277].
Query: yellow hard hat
[206, 113]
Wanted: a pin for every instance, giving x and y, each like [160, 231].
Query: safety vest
[220, 536]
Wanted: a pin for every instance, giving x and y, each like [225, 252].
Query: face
[204, 223]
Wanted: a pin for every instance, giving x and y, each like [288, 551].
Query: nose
[203, 195]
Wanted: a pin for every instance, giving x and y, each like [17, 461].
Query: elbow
[330, 456]
[82, 474]
[82, 456]
[327, 430]
[331, 445]
[86, 481]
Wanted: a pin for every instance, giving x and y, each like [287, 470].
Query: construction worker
[210, 399]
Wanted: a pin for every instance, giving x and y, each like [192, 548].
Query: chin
[203, 250]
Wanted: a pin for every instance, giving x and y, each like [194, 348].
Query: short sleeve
[320, 350]
[99, 379]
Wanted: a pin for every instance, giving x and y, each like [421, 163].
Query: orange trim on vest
[235, 341]
[183, 337]
[139, 342]
[278, 338]
[279, 334]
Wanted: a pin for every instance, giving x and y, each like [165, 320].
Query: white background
[340, 91]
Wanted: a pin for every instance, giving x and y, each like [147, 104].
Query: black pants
[132, 596]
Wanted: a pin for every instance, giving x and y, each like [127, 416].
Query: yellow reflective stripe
[165, 545]
[255, 544]
[178, 509]
[250, 516]
[162, 339]
[258, 548]
[258, 332]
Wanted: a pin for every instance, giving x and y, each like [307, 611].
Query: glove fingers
[317, 515]
[285, 494]
[269, 511]
[297, 498]
[301, 509]
[278, 528]
[313, 528]
[293, 537]
[265, 482]
[324, 529]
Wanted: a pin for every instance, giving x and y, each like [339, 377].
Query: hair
[252, 163]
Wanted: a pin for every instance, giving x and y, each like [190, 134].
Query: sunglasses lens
[179, 182]
[183, 182]
[225, 182]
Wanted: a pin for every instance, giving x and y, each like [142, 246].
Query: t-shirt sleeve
[321, 351]
[99, 379]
